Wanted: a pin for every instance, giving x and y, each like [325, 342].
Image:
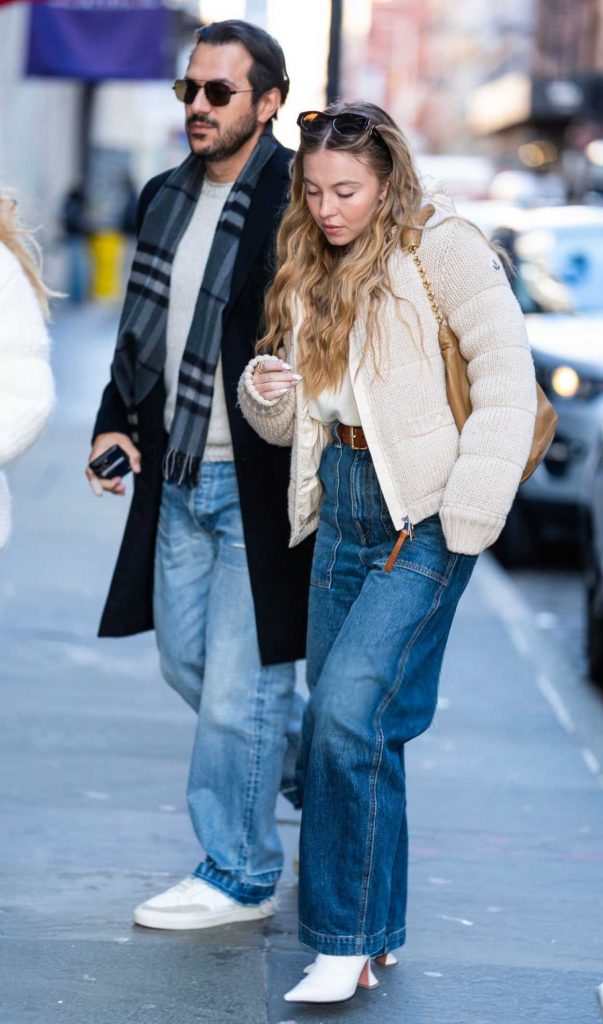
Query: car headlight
[565, 382]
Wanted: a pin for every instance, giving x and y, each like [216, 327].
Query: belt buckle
[355, 448]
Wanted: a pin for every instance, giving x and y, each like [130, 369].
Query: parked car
[557, 254]
[593, 562]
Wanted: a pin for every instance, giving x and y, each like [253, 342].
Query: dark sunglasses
[217, 93]
[313, 122]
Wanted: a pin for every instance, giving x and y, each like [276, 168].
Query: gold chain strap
[412, 249]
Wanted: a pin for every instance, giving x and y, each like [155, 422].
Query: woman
[26, 386]
[377, 461]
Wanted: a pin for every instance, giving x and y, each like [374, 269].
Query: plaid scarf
[141, 344]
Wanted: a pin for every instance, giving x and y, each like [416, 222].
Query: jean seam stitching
[355, 505]
[252, 786]
[370, 503]
[352, 938]
[382, 518]
[370, 840]
[237, 890]
[437, 577]
[386, 701]
[328, 576]
[190, 504]
[442, 578]
[406, 653]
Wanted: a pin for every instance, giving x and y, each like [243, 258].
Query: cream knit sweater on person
[422, 464]
[26, 386]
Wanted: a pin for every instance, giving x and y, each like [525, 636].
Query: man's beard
[233, 138]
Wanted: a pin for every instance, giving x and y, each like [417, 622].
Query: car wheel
[519, 542]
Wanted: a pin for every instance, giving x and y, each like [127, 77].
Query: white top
[26, 385]
[338, 404]
[188, 269]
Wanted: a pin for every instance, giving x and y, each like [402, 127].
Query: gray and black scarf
[141, 344]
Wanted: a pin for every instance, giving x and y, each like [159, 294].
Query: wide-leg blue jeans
[375, 646]
[206, 634]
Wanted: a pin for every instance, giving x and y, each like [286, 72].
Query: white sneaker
[195, 904]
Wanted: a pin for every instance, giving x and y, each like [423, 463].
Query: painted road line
[519, 620]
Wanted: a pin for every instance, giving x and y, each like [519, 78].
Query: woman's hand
[273, 378]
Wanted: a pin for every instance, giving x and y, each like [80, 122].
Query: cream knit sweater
[422, 464]
[26, 386]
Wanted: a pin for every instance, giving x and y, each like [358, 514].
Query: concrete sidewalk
[505, 798]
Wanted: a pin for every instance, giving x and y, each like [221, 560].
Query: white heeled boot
[385, 960]
[333, 979]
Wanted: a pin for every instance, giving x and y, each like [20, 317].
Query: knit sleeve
[26, 384]
[496, 439]
[272, 419]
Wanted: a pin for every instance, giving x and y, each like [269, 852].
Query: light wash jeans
[206, 634]
[375, 648]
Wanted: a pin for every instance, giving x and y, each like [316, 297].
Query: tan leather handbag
[457, 381]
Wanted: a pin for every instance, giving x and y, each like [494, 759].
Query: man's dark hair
[268, 70]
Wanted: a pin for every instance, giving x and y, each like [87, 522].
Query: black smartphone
[114, 462]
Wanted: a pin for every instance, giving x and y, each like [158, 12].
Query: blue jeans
[375, 648]
[206, 634]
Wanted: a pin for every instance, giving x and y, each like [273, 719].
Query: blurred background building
[64, 137]
[547, 110]
[479, 89]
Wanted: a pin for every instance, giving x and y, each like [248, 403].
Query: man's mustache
[200, 119]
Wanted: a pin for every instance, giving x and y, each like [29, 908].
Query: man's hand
[101, 443]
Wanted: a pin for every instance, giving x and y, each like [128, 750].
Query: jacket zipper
[406, 533]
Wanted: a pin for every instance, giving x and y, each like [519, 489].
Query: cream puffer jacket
[26, 385]
[422, 464]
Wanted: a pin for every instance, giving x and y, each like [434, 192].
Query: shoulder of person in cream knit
[447, 230]
[459, 261]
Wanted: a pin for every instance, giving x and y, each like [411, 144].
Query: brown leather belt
[354, 436]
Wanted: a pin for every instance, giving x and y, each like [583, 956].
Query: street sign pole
[87, 98]
[334, 64]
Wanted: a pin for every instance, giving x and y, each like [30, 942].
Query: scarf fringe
[181, 468]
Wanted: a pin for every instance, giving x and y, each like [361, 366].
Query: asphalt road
[554, 591]
[505, 791]
[553, 595]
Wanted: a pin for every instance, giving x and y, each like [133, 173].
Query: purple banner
[93, 40]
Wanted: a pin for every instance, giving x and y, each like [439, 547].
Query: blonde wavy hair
[23, 245]
[330, 284]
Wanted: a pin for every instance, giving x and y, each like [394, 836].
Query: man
[205, 553]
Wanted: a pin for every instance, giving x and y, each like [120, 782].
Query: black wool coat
[279, 574]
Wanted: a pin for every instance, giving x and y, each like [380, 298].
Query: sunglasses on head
[314, 122]
[217, 93]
